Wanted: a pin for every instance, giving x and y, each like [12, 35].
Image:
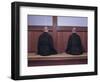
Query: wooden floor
[58, 59]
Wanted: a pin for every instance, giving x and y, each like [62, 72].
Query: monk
[74, 45]
[45, 44]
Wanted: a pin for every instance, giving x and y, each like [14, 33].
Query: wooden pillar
[55, 30]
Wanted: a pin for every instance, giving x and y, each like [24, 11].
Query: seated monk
[74, 45]
[45, 44]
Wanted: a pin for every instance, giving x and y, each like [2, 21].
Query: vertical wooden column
[55, 30]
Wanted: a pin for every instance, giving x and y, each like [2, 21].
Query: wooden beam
[54, 20]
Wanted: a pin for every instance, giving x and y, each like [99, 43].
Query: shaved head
[45, 29]
[74, 30]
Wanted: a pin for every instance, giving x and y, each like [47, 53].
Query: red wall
[60, 40]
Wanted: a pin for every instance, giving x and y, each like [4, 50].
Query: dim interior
[60, 29]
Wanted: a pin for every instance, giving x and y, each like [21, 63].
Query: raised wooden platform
[58, 59]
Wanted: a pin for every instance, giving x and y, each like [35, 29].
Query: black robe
[74, 46]
[45, 45]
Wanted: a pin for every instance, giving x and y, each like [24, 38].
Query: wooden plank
[62, 56]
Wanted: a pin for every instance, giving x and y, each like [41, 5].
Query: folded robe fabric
[74, 45]
[45, 45]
